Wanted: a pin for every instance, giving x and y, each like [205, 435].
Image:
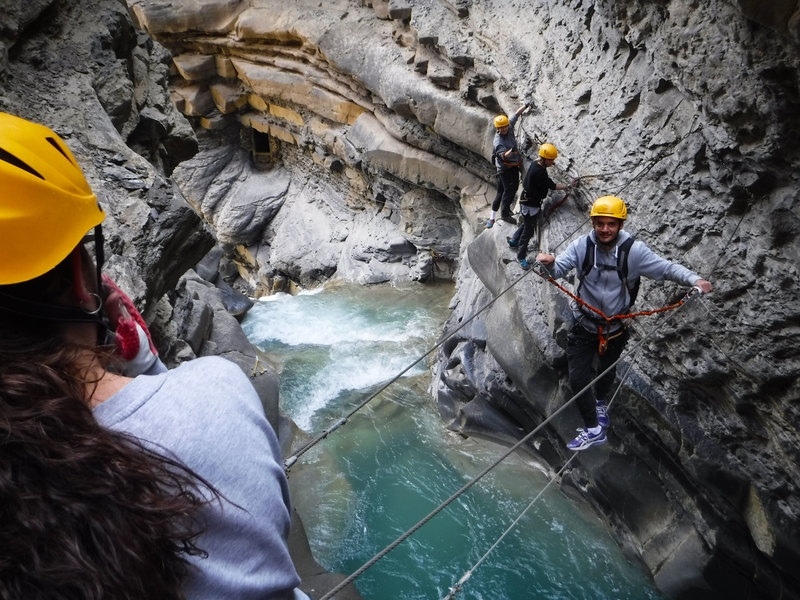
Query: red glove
[131, 336]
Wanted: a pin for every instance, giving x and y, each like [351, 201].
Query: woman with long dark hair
[119, 479]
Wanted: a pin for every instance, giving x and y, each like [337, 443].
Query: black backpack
[621, 267]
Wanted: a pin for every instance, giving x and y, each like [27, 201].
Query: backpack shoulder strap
[623, 252]
[587, 264]
[622, 257]
[588, 258]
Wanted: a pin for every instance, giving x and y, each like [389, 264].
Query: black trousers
[585, 363]
[507, 186]
[524, 233]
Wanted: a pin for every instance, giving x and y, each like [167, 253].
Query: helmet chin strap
[91, 304]
[99, 255]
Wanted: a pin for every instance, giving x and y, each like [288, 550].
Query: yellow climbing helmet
[46, 204]
[548, 151]
[609, 206]
[501, 121]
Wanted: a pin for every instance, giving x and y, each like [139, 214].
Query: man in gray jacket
[609, 264]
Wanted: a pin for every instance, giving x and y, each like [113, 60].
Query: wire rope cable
[468, 574]
[408, 533]
[457, 587]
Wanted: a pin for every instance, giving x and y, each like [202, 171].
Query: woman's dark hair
[85, 512]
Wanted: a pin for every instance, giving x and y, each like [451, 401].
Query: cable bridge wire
[348, 580]
[289, 462]
[458, 586]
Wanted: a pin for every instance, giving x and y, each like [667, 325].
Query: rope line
[666, 151]
[556, 205]
[290, 461]
[458, 586]
[464, 578]
[348, 580]
[601, 314]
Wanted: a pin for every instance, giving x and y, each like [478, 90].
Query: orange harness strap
[603, 340]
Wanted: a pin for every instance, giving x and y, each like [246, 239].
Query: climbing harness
[604, 338]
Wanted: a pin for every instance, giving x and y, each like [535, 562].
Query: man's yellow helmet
[501, 121]
[46, 204]
[548, 151]
[609, 206]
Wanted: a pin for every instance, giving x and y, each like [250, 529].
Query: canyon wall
[351, 139]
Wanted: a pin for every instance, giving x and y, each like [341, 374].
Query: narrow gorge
[242, 147]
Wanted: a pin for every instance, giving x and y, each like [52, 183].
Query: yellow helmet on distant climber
[548, 151]
[609, 206]
[46, 204]
[501, 121]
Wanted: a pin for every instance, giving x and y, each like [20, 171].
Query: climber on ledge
[609, 263]
[535, 187]
[508, 162]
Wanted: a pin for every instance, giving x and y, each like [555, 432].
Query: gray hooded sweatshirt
[207, 414]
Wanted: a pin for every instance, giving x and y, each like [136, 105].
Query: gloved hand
[130, 334]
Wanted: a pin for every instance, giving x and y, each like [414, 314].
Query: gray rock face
[686, 109]
[351, 139]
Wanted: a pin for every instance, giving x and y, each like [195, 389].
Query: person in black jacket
[535, 187]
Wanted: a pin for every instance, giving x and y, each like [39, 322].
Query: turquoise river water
[393, 463]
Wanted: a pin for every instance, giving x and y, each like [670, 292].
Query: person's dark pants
[582, 352]
[507, 185]
[524, 233]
